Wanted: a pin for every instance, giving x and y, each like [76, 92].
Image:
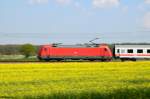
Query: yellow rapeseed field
[75, 80]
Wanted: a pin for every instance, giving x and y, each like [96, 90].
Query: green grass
[75, 80]
[17, 58]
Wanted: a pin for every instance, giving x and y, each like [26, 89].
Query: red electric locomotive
[75, 52]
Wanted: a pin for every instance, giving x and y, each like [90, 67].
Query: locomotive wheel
[92, 60]
[106, 60]
[46, 60]
[109, 60]
[59, 60]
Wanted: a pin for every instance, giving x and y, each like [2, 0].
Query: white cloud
[147, 1]
[63, 1]
[38, 1]
[146, 20]
[105, 3]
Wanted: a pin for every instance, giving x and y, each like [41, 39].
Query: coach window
[148, 51]
[122, 51]
[130, 51]
[139, 51]
[118, 50]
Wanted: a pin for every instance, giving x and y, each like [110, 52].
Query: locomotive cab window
[130, 50]
[148, 50]
[105, 49]
[45, 49]
[139, 51]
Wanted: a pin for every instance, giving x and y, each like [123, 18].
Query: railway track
[65, 61]
[49, 61]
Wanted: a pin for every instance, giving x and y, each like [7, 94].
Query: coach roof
[132, 46]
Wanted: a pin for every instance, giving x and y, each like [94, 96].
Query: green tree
[28, 50]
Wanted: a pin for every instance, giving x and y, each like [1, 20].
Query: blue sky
[74, 21]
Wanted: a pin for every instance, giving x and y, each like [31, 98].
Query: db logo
[75, 52]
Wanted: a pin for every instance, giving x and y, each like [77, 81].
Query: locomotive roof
[77, 45]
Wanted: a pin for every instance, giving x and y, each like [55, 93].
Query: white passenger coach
[132, 52]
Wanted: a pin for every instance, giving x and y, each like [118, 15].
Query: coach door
[117, 52]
